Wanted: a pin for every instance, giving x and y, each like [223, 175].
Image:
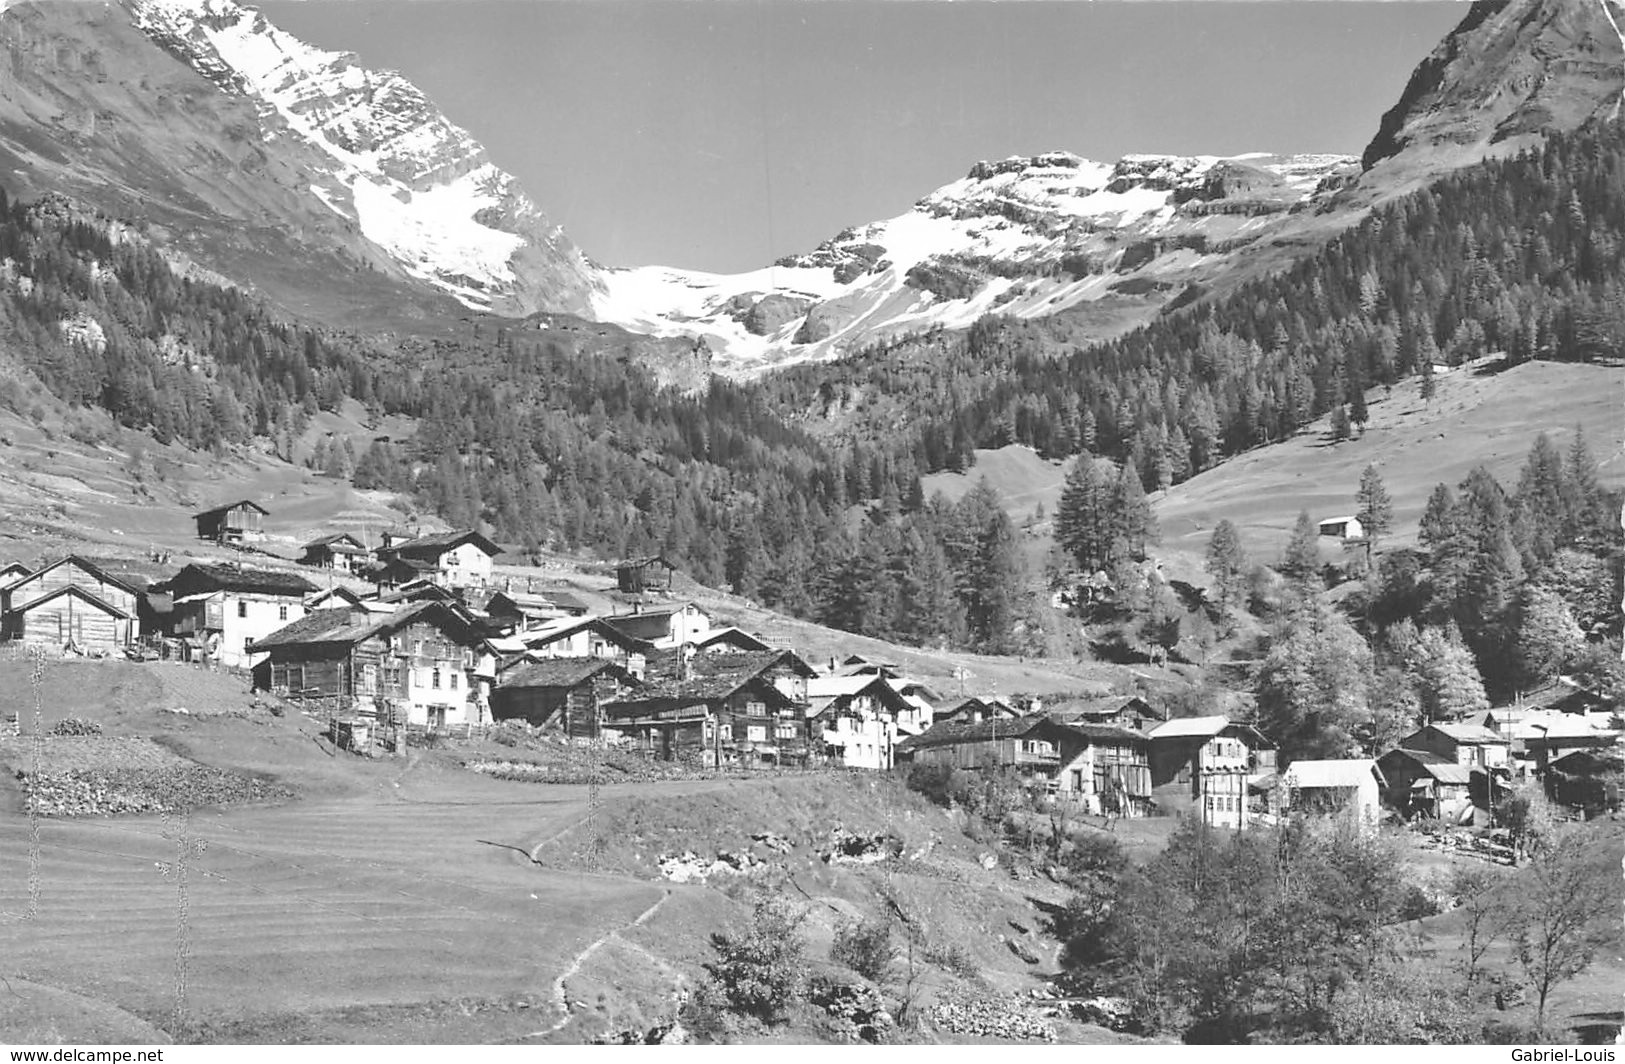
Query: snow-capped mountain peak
[416, 185]
[1026, 236]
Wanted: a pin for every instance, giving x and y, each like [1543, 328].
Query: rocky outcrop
[1509, 70]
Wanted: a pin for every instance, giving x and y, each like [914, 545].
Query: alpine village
[1200, 625]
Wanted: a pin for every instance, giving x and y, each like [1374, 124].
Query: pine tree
[1133, 522]
[1376, 509]
[1083, 518]
[1301, 562]
[1549, 639]
[1227, 563]
[1340, 424]
[1358, 412]
[1544, 498]
[1430, 382]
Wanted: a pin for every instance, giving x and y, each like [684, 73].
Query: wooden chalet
[1587, 780]
[566, 693]
[340, 551]
[1122, 711]
[1034, 746]
[12, 571]
[102, 616]
[1465, 744]
[638, 575]
[972, 710]
[1204, 765]
[1420, 783]
[573, 637]
[723, 719]
[1106, 769]
[856, 718]
[523, 610]
[667, 627]
[219, 609]
[242, 521]
[450, 559]
[1337, 786]
[422, 665]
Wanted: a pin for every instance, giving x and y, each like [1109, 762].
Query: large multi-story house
[738, 718]
[856, 719]
[424, 664]
[1203, 766]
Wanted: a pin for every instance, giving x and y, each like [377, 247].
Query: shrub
[864, 947]
[954, 958]
[760, 972]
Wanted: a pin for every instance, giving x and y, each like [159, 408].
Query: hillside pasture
[1478, 417]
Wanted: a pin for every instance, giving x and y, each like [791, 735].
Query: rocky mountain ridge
[415, 184]
[1024, 236]
[295, 171]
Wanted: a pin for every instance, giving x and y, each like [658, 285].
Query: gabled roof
[1104, 707]
[1342, 772]
[563, 627]
[639, 563]
[735, 636]
[695, 691]
[1587, 763]
[220, 577]
[1466, 734]
[354, 626]
[343, 542]
[560, 672]
[75, 591]
[668, 612]
[83, 563]
[331, 593]
[1190, 727]
[954, 733]
[440, 542]
[232, 506]
[11, 570]
[565, 600]
[1439, 767]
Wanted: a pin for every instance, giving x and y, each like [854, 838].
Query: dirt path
[561, 999]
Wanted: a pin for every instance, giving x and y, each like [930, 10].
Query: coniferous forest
[752, 486]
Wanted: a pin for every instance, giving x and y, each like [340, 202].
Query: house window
[787, 731]
[756, 709]
[757, 733]
[727, 733]
[242, 607]
[434, 679]
[282, 613]
[454, 681]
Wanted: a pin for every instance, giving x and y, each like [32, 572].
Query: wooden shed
[235, 522]
[637, 575]
[72, 616]
[561, 692]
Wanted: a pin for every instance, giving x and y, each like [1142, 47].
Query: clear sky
[722, 135]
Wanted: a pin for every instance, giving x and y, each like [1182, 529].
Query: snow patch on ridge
[420, 184]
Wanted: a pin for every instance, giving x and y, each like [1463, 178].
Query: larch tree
[1227, 563]
[1376, 509]
[1301, 561]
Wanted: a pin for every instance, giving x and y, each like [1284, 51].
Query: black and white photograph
[911, 523]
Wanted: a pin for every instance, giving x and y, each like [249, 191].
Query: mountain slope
[277, 165]
[1027, 237]
[1509, 72]
[1106, 248]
